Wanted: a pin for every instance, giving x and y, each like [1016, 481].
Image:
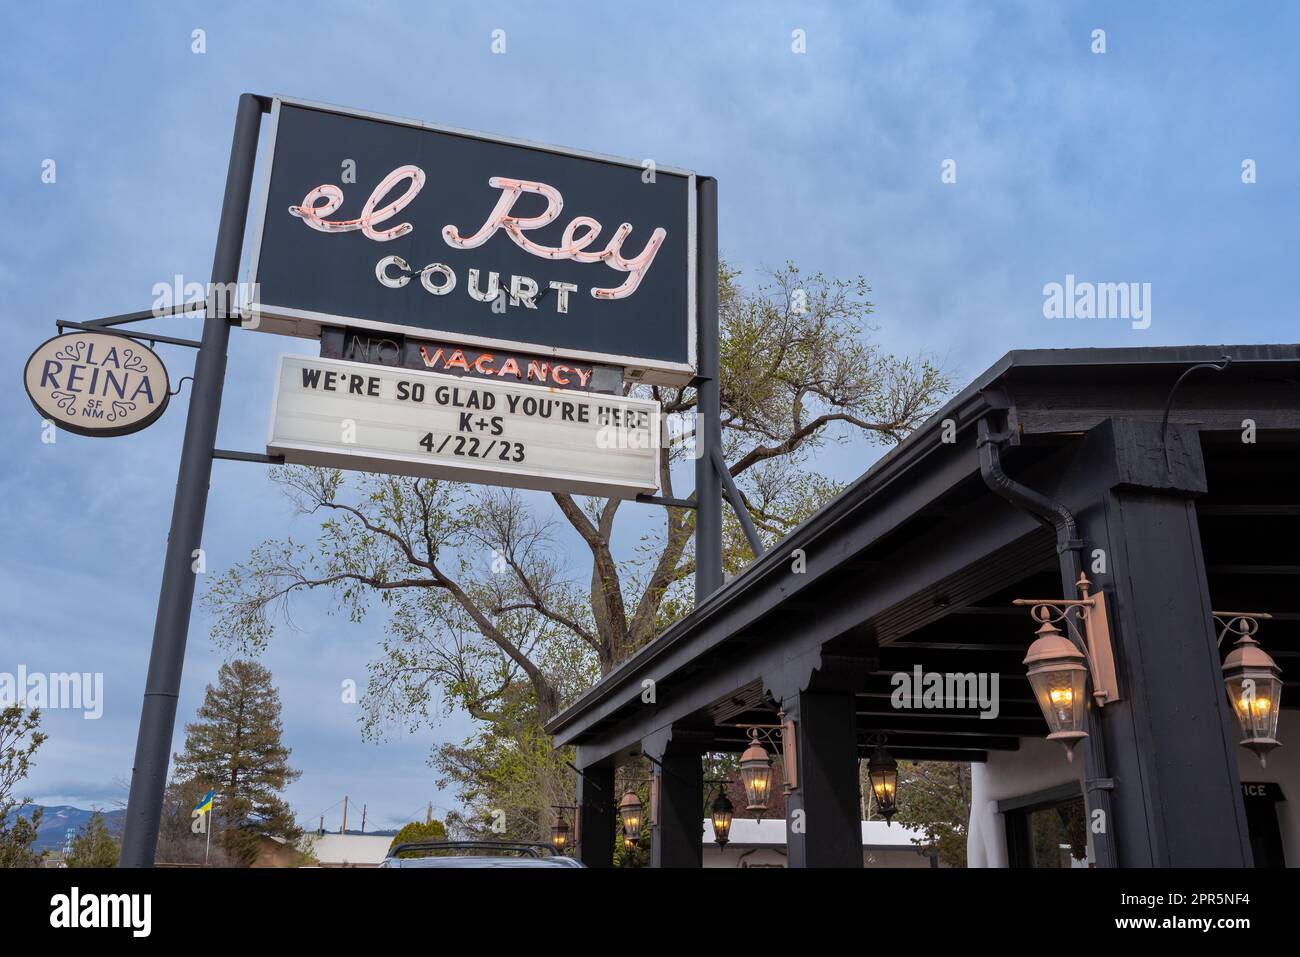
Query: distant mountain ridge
[52, 834]
[57, 819]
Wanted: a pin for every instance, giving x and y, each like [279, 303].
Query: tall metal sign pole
[651, 337]
[708, 420]
[162, 687]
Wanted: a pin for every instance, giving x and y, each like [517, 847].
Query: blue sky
[1116, 167]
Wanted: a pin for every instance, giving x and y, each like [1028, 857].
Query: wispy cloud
[1122, 166]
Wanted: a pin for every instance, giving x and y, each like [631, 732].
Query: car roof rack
[528, 849]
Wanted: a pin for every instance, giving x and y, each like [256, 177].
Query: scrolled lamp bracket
[756, 763]
[1090, 635]
[1243, 624]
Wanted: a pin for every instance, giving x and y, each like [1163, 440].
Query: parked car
[477, 854]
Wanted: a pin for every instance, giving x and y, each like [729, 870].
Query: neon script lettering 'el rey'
[314, 216]
[572, 244]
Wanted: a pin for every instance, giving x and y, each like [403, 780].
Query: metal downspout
[1069, 546]
[1050, 511]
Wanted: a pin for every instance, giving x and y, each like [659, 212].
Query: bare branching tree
[484, 611]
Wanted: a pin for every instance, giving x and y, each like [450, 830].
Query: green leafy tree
[20, 737]
[94, 845]
[417, 831]
[485, 613]
[235, 747]
[934, 796]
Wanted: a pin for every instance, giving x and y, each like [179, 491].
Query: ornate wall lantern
[882, 774]
[1060, 663]
[756, 774]
[560, 832]
[1253, 681]
[1057, 676]
[722, 812]
[630, 811]
[756, 762]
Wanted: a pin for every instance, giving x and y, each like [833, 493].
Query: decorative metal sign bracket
[106, 324]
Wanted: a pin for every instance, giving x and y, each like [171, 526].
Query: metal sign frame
[287, 320]
[199, 450]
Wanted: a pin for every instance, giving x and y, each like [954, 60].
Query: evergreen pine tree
[94, 845]
[234, 746]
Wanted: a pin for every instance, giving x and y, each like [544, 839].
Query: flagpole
[209, 830]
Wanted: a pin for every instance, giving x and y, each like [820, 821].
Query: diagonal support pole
[737, 502]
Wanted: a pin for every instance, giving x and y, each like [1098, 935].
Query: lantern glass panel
[882, 776]
[629, 809]
[560, 836]
[722, 814]
[884, 785]
[1256, 698]
[722, 823]
[756, 775]
[1061, 694]
[632, 825]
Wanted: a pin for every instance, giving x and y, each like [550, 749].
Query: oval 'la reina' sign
[95, 383]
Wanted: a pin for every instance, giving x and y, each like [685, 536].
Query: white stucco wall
[1041, 764]
[762, 844]
[733, 856]
[1037, 766]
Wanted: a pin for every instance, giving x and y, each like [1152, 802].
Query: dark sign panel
[1262, 791]
[395, 349]
[403, 227]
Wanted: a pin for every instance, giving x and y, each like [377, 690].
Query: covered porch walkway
[915, 567]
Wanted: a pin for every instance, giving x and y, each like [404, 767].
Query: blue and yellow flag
[206, 804]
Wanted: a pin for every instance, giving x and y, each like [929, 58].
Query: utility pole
[363, 819]
[344, 828]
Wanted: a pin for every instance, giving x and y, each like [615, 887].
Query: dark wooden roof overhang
[917, 561]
